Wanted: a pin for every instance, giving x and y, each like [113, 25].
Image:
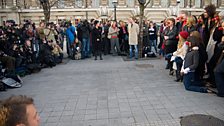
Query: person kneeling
[191, 62]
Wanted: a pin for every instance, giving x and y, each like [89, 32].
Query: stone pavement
[113, 92]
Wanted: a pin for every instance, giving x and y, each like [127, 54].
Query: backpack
[12, 81]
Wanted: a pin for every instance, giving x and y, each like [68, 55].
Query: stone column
[14, 3]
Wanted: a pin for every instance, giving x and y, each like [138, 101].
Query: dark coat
[207, 31]
[189, 29]
[220, 67]
[122, 34]
[172, 34]
[191, 59]
[85, 29]
[96, 38]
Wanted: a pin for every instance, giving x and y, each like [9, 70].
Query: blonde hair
[4, 113]
[190, 21]
[180, 42]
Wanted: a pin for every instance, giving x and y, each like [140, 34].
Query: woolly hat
[184, 34]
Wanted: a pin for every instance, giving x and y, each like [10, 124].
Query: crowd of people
[26, 49]
[192, 46]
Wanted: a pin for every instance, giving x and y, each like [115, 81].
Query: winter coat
[172, 34]
[70, 34]
[133, 30]
[181, 52]
[50, 34]
[191, 59]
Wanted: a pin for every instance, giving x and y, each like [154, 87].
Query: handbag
[211, 46]
[109, 36]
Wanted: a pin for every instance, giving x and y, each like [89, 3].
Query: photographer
[50, 32]
[8, 61]
[46, 54]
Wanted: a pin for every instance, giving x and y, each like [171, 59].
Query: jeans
[71, 49]
[153, 43]
[219, 79]
[131, 51]
[85, 47]
[191, 85]
[115, 43]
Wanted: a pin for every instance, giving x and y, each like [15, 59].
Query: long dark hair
[193, 40]
[211, 10]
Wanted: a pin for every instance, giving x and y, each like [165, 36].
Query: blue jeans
[131, 51]
[191, 85]
[153, 43]
[85, 47]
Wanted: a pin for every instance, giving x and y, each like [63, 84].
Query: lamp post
[115, 9]
[86, 4]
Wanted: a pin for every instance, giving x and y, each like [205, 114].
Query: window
[78, 3]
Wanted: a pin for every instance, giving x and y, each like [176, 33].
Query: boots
[178, 77]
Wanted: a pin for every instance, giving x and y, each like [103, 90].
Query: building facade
[157, 10]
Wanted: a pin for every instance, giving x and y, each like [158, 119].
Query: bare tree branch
[147, 3]
[52, 3]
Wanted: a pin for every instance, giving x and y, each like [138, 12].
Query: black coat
[172, 34]
[121, 33]
[85, 29]
[96, 38]
[207, 31]
[189, 29]
[218, 47]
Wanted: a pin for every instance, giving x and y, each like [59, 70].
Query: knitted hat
[184, 34]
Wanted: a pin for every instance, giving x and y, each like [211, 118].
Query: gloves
[186, 70]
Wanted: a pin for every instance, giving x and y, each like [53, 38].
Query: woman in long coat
[97, 40]
[133, 30]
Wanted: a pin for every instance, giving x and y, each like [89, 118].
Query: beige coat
[133, 33]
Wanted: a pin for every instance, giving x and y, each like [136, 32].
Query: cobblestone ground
[113, 92]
